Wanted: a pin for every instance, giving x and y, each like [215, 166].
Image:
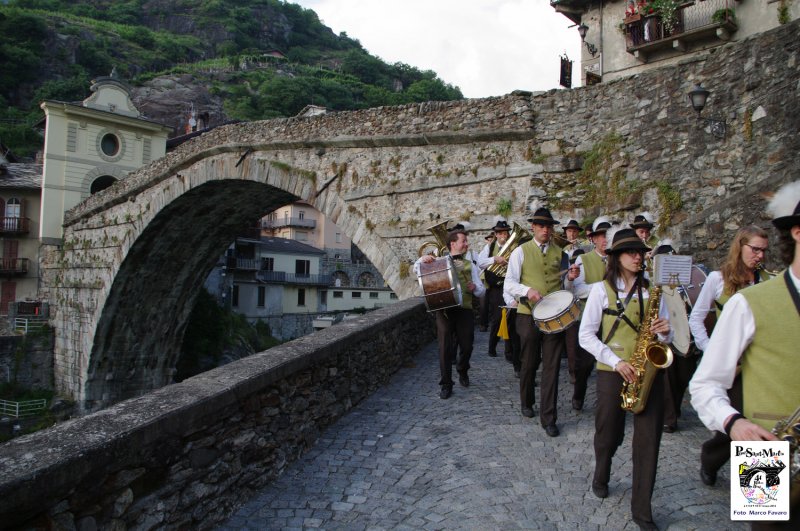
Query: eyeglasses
[758, 250]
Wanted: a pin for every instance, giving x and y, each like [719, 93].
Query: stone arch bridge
[133, 257]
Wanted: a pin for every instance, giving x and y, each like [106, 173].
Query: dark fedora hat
[542, 216]
[785, 206]
[600, 225]
[489, 236]
[502, 225]
[572, 225]
[643, 221]
[575, 255]
[626, 240]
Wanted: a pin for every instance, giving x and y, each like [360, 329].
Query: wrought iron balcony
[277, 223]
[14, 225]
[13, 266]
[694, 20]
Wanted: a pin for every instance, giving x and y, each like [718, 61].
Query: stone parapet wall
[184, 455]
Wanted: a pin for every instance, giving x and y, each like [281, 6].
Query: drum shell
[439, 282]
[557, 311]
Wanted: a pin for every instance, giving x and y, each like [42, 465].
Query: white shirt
[712, 290]
[479, 289]
[593, 316]
[484, 260]
[733, 333]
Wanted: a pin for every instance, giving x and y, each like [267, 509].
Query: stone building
[625, 37]
[91, 145]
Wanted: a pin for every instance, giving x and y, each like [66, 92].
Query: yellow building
[91, 145]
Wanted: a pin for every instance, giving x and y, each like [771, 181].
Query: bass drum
[698, 280]
[439, 283]
[679, 310]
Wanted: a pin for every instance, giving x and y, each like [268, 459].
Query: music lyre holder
[672, 270]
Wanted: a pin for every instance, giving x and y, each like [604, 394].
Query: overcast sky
[484, 47]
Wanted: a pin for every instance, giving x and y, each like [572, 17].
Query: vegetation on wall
[602, 184]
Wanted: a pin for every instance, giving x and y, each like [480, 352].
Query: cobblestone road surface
[406, 459]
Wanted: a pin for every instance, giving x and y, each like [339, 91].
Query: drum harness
[620, 312]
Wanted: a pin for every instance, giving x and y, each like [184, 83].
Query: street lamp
[698, 97]
[582, 29]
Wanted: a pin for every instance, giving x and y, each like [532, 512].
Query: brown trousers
[609, 423]
[538, 348]
[455, 328]
[580, 362]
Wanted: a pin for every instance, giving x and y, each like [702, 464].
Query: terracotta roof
[21, 176]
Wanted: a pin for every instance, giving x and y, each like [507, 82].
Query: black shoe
[493, 354]
[670, 428]
[601, 491]
[445, 392]
[645, 524]
[577, 404]
[552, 430]
[527, 412]
[708, 478]
[463, 379]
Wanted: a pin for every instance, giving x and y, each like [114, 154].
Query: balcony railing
[696, 20]
[14, 225]
[288, 222]
[13, 266]
[281, 277]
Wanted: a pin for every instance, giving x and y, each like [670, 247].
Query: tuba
[517, 237]
[648, 356]
[788, 430]
[438, 247]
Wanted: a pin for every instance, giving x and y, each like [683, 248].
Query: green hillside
[51, 49]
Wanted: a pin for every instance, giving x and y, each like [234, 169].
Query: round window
[110, 145]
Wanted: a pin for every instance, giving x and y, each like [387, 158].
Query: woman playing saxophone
[615, 308]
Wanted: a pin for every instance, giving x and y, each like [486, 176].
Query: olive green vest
[771, 363]
[724, 297]
[540, 271]
[594, 269]
[623, 342]
[464, 272]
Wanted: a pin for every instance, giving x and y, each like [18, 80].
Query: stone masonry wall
[184, 455]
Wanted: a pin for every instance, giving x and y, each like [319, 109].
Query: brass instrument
[770, 274]
[439, 247]
[648, 356]
[517, 237]
[788, 429]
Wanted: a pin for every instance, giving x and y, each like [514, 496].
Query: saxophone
[788, 429]
[648, 356]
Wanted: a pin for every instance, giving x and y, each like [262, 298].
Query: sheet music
[672, 269]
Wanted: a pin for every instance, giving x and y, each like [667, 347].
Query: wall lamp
[697, 97]
[582, 29]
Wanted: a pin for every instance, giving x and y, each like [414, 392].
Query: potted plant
[724, 15]
[667, 11]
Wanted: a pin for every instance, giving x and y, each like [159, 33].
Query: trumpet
[518, 236]
[438, 247]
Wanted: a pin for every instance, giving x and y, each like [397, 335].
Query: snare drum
[556, 312]
[439, 283]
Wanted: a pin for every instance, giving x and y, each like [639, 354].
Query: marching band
[552, 295]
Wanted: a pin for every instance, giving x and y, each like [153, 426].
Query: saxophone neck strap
[620, 311]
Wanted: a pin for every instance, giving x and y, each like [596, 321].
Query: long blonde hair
[734, 271]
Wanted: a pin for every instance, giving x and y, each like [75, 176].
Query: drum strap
[620, 311]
